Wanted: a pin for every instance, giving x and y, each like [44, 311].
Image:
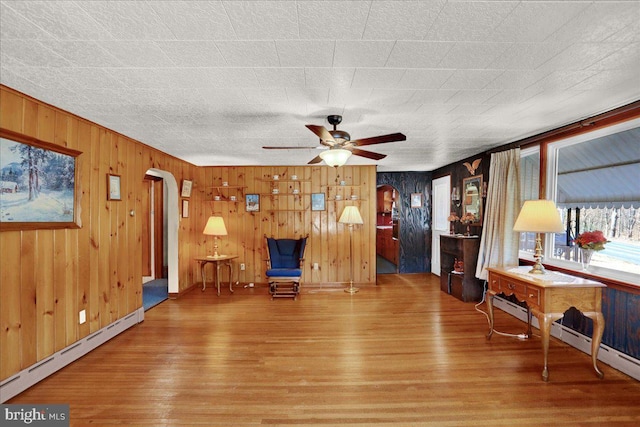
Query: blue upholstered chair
[284, 266]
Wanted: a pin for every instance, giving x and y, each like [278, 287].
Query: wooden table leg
[546, 320]
[596, 339]
[490, 312]
[218, 277]
[204, 283]
[230, 276]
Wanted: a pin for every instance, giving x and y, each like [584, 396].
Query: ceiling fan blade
[392, 137]
[322, 132]
[316, 159]
[289, 148]
[368, 154]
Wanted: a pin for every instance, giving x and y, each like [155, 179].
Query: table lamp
[350, 216]
[215, 227]
[539, 216]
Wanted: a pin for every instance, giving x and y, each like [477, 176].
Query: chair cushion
[284, 272]
[285, 253]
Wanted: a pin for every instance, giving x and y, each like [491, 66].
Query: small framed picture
[253, 202]
[317, 202]
[186, 188]
[185, 209]
[113, 187]
[416, 200]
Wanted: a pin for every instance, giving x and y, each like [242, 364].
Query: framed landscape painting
[37, 184]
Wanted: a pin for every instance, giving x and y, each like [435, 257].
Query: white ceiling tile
[137, 53]
[305, 53]
[536, 21]
[329, 77]
[472, 55]
[377, 77]
[348, 96]
[562, 80]
[424, 79]
[600, 21]
[433, 97]
[277, 95]
[414, 54]
[263, 20]
[371, 53]
[516, 79]
[470, 79]
[126, 20]
[242, 53]
[16, 26]
[189, 53]
[195, 20]
[84, 53]
[301, 97]
[580, 56]
[469, 21]
[625, 58]
[392, 20]
[33, 53]
[471, 96]
[280, 77]
[527, 56]
[341, 20]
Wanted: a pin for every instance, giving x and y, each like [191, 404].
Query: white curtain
[499, 243]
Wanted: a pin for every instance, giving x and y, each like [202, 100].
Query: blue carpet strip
[154, 292]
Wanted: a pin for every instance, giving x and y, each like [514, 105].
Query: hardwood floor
[398, 354]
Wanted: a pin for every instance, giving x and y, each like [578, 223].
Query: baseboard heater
[24, 379]
[610, 356]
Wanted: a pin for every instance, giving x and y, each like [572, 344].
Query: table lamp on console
[215, 227]
[539, 216]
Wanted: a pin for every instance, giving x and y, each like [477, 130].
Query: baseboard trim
[610, 356]
[24, 379]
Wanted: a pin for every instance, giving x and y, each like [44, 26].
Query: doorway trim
[173, 217]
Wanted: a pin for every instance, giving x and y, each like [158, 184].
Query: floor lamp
[539, 216]
[350, 216]
[215, 227]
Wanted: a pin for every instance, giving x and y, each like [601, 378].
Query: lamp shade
[215, 227]
[335, 156]
[539, 216]
[351, 215]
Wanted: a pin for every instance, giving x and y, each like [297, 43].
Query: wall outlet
[316, 266]
[82, 317]
[242, 266]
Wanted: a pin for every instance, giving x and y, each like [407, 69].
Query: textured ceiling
[211, 82]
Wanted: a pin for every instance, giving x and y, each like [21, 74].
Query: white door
[440, 225]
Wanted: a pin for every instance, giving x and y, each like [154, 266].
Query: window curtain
[499, 243]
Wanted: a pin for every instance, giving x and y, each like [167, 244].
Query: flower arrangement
[468, 218]
[591, 240]
[453, 217]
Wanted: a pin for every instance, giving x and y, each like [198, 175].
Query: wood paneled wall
[48, 276]
[288, 216]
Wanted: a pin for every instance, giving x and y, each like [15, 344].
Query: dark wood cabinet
[463, 285]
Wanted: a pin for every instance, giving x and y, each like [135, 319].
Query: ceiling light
[335, 156]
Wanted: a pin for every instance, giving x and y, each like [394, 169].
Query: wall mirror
[472, 197]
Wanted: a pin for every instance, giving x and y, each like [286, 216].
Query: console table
[547, 297]
[218, 261]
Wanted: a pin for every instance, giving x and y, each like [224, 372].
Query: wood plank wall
[48, 276]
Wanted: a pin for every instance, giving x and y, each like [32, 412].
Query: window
[529, 190]
[593, 179]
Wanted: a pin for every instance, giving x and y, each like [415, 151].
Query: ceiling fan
[341, 147]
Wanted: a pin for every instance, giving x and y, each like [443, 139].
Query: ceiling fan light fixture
[335, 156]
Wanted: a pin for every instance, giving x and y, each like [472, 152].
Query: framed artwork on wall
[317, 202]
[252, 202]
[185, 209]
[416, 200]
[38, 185]
[186, 188]
[113, 187]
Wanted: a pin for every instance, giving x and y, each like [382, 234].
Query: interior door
[440, 225]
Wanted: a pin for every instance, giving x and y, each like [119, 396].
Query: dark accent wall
[415, 223]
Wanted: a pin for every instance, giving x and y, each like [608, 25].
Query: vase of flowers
[589, 242]
[468, 218]
[452, 218]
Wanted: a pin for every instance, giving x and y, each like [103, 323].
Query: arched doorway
[170, 229]
[387, 230]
